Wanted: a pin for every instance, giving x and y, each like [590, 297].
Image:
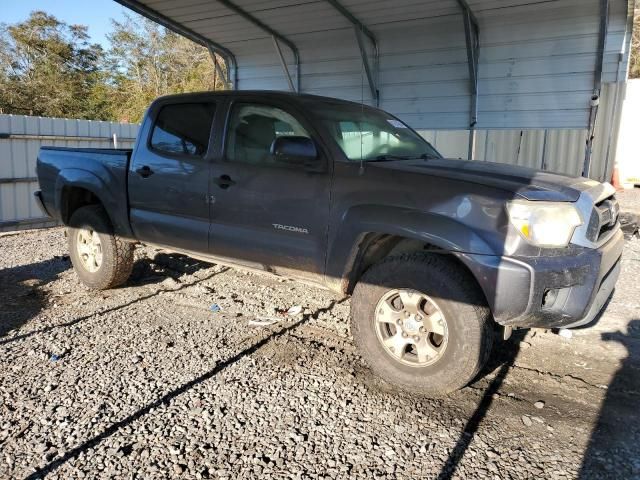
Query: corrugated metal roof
[536, 63]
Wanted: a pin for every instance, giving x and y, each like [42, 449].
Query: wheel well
[75, 197]
[375, 247]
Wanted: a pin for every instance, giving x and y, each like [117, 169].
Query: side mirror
[296, 150]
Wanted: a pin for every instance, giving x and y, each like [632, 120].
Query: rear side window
[183, 129]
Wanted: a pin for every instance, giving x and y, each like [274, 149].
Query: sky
[96, 14]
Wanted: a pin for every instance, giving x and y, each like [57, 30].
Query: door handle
[144, 171]
[224, 181]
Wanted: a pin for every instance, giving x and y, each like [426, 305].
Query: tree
[634, 60]
[49, 68]
[147, 61]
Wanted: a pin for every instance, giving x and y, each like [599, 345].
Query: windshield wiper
[388, 157]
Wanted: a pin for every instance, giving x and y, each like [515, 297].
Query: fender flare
[85, 179]
[358, 222]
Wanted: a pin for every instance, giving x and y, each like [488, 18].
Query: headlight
[544, 224]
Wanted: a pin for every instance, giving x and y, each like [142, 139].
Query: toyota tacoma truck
[438, 255]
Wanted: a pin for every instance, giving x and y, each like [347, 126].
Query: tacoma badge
[289, 228]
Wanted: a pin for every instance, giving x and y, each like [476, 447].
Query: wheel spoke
[397, 344]
[386, 313]
[411, 300]
[98, 259]
[84, 249]
[435, 323]
[424, 350]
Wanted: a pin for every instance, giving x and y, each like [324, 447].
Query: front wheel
[421, 323]
[100, 258]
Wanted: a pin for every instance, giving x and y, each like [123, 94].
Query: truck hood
[527, 183]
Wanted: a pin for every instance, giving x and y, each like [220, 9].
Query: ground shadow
[503, 357]
[162, 265]
[168, 397]
[614, 446]
[146, 271]
[22, 295]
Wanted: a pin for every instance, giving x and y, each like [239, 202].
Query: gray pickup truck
[439, 255]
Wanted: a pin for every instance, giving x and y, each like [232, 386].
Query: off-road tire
[470, 326]
[117, 254]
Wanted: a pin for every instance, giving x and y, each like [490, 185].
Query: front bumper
[549, 292]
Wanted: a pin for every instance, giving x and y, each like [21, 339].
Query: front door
[267, 214]
[168, 177]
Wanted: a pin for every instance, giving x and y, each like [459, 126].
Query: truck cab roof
[293, 97]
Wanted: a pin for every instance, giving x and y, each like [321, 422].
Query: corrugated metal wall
[20, 139]
[537, 58]
[536, 64]
[555, 150]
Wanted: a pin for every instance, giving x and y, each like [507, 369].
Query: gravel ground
[147, 382]
[629, 199]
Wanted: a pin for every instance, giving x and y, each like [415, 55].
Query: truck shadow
[156, 269]
[171, 395]
[503, 357]
[614, 446]
[22, 295]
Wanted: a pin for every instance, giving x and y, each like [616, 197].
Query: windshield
[365, 134]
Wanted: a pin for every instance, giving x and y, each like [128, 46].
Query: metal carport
[453, 65]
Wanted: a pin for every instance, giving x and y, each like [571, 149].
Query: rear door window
[183, 129]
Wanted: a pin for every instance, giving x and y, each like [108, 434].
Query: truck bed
[102, 170]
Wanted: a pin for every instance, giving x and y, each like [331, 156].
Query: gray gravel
[629, 199]
[147, 382]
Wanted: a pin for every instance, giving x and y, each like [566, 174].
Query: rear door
[264, 213]
[169, 175]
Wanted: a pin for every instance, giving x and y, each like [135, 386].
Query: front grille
[604, 218]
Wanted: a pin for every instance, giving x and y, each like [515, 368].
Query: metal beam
[465, 6]
[273, 33]
[27, 136]
[18, 180]
[602, 39]
[354, 21]
[361, 28]
[283, 62]
[42, 222]
[472, 39]
[180, 29]
[218, 68]
[367, 68]
[597, 86]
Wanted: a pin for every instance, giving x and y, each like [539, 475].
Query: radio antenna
[359, 124]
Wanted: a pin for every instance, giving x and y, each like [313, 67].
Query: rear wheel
[421, 324]
[100, 258]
